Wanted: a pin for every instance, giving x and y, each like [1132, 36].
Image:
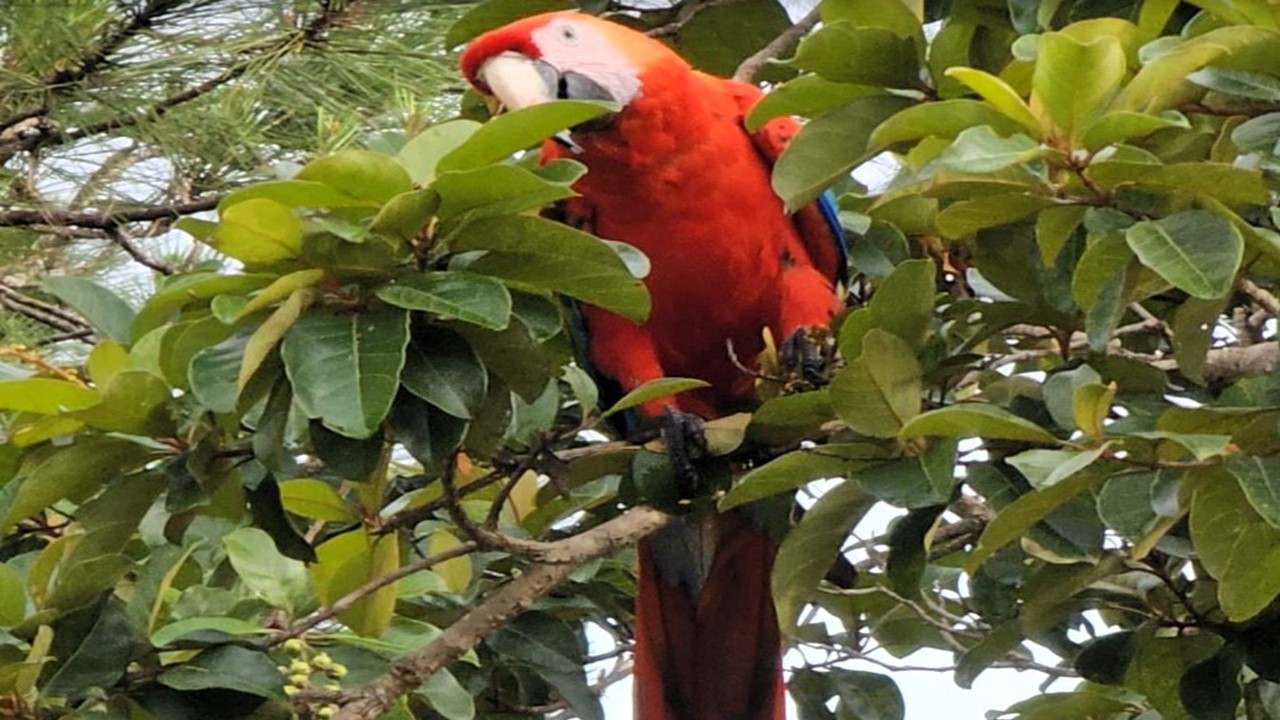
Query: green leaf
[227, 667]
[279, 580]
[1195, 250]
[292, 193]
[106, 312]
[71, 471]
[497, 190]
[797, 468]
[442, 369]
[449, 698]
[945, 119]
[903, 305]
[550, 647]
[494, 14]
[315, 499]
[258, 231]
[720, 37]
[656, 389]
[1159, 664]
[511, 132]
[1238, 83]
[422, 153]
[259, 346]
[345, 369]
[791, 418]
[1075, 81]
[96, 656]
[367, 176]
[46, 396]
[347, 561]
[465, 296]
[880, 391]
[552, 256]
[976, 420]
[807, 95]
[13, 596]
[1121, 126]
[828, 147]
[980, 150]
[1238, 547]
[1000, 96]
[810, 548]
[962, 219]
[867, 695]
[176, 630]
[1019, 516]
[133, 402]
[871, 56]
[1259, 478]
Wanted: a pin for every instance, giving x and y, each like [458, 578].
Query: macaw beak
[518, 82]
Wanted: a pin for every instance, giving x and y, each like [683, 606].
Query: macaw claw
[807, 359]
[686, 443]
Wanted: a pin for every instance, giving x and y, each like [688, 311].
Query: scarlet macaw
[675, 173]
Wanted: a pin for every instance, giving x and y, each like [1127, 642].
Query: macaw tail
[707, 640]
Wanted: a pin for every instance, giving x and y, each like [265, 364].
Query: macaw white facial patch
[572, 46]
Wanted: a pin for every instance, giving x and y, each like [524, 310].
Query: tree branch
[43, 312]
[746, 72]
[103, 220]
[371, 700]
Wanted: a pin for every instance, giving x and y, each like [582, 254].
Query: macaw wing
[818, 222]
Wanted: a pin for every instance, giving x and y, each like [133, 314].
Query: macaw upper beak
[518, 81]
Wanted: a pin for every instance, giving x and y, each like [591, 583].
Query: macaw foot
[807, 359]
[686, 443]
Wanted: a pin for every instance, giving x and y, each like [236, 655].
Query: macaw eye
[568, 33]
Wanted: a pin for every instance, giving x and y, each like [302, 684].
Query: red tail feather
[716, 656]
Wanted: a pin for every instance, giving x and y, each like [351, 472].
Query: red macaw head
[563, 55]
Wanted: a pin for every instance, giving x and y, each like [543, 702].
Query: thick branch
[746, 72]
[43, 312]
[563, 557]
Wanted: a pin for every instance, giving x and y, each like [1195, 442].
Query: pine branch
[44, 313]
[746, 72]
[108, 220]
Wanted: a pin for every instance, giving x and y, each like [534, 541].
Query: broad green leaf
[1000, 96]
[95, 658]
[46, 396]
[258, 231]
[107, 358]
[807, 95]
[292, 193]
[511, 132]
[945, 119]
[497, 190]
[828, 147]
[896, 16]
[267, 336]
[315, 499]
[1046, 468]
[175, 630]
[1259, 478]
[550, 647]
[281, 289]
[422, 153]
[456, 572]
[364, 175]
[810, 548]
[980, 150]
[13, 596]
[1194, 324]
[962, 219]
[1075, 81]
[443, 369]
[1090, 406]
[717, 39]
[1259, 135]
[194, 288]
[1254, 86]
[449, 698]
[552, 256]
[182, 341]
[1201, 446]
[73, 471]
[133, 402]
[109, 315]
[1019, 516]
[1237, 546]
[345, 368]
[1195, 250]
[477, 299]
[902, 305]
[976, 420]
[880, 391]
[1159, 84]
[791, 418]
[1221, 182]
[797, 468]
[1159, 664]
[843, 52]
[279, 580]
[347, 561]
[656, 389]
[1121, 126]
[227, 667]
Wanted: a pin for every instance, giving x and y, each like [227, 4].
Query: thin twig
[121, 239]
[103, 220]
